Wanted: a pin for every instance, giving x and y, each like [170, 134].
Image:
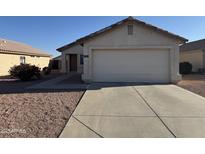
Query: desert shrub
[46, 70]
[185, 68]
[25, 72]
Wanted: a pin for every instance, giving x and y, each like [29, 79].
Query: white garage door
[131, 66]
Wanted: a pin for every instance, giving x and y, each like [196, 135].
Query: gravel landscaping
[194, 83]
[32, 113]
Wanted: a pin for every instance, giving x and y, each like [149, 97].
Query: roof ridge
[38, 51]
[75, 41]
[194, 45]
[107, 27]
[130, 18]
[196, 41]
[14, 41]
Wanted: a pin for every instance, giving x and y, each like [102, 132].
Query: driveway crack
[146, 102]
[87, 127]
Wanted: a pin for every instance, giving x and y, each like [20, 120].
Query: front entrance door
[73, 62]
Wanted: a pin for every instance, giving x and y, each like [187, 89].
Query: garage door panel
[131, 65]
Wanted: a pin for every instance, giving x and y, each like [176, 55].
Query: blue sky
[49, 33]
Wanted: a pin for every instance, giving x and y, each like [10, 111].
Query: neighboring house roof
[81, 40]
[57, 58]
[195, 45]
[12, 47]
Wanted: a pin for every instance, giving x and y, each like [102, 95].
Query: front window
[22, 60]
[81, 60]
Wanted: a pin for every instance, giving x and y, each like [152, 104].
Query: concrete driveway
[123, 110]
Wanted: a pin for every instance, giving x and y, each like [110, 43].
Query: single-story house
[14, 53]
[127, 51]
[194, 53]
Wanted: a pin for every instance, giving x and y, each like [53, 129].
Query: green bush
[25, 72]
[46, 70]
[185, 68]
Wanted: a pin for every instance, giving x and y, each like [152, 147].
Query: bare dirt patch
[34, 113]
[194, 83]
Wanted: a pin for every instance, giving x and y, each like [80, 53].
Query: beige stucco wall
[195, 57]
[9, 60]
[77, 49]
[141, 38]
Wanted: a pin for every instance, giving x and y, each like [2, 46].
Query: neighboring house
[56, 63]
[194, 52]
[14, 53]
[127, 51]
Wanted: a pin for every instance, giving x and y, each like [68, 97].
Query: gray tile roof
[195, 45]
[13, 47]
[57, 58]
[81, 40]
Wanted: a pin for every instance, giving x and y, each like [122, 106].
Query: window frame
[22, 60]
[81, 59]
[130, 29]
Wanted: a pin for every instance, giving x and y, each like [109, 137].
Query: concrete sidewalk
[56, 84]
[137, 111]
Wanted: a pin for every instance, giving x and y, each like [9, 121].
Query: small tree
[185, 68]
[25, 72]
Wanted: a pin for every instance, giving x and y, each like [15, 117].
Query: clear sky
[49, 33]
